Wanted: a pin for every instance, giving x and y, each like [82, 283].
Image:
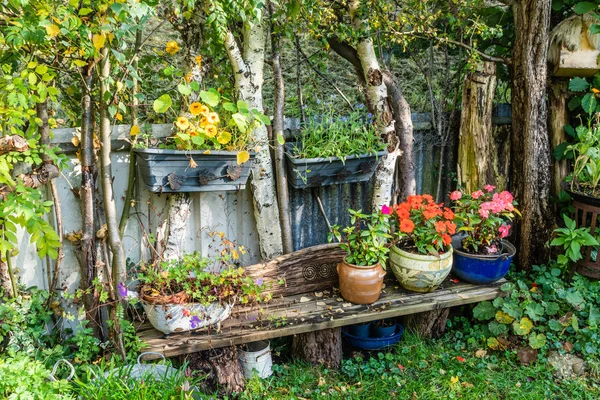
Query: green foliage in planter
[572, 239]
[367, 240]
[192, 279]
[585, 153]
[544, 311]
[328, 135]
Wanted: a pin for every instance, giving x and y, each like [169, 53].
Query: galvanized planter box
[313, 172]
[169, 171]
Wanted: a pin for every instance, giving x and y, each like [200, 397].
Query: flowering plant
[366, 240]
[423, 225]
[485, 216]
[193, 280]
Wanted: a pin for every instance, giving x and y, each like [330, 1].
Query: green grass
[422, 369]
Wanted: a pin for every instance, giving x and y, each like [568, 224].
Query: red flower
[446, 239]
[448, 214]
[454, 280]
[460, 359]
[186, 313]
[407, 226]
[403, 211]
[456, 195]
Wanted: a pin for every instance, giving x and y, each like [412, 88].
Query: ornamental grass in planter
[421, 257]
[482, 255]
[210, 148]
[366, 241]
[186, 294]
[334, 150]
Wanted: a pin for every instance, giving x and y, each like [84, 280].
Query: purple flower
[195, 321]
[122, 290]
[258, 282]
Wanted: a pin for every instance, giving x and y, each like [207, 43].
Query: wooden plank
[306, 313]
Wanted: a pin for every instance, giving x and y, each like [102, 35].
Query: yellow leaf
[454, 379]
[119, 117]
[242, 157]
[207, 152]
[98, 41]
[504, 318]
[134, 130]
[75, 141]
[79, 63]
[52, 30]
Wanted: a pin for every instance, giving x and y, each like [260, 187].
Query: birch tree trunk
[531, 165]
[248, 71]
[477, 153]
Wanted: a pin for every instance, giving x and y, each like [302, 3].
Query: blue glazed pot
[360, 330]
[480, 269]
[382, 331]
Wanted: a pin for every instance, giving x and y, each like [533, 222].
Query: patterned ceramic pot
[171, 318]
[358, 284]
[417, 272]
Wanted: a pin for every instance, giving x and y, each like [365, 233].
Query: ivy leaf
[484, 311]
[162, 104]
[537, 341]
[584, 7]
[578, 84]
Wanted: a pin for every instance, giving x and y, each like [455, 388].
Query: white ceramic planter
[171, 318]
[417, 272]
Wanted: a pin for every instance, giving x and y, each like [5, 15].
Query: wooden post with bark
[559, 117]
[531, 157]
[477, 153]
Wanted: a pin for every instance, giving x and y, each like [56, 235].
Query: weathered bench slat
[306, 312]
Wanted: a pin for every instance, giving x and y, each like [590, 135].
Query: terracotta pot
[419, 272]
[358, 284]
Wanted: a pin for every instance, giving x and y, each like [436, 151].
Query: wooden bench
[306, 300]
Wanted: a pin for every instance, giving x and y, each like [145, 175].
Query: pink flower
[477, 194]
[497, 206]
[484, 213]
[385, 210]
[507, 197]
[489, 187]
[504, 231]
[456, 195]
[509, 207]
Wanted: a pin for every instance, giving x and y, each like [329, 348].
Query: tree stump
[222, 369]
[319, 348]
[429, 324]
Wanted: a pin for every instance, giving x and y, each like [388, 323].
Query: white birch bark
[248, 71]
[177, 220]
[383, 179]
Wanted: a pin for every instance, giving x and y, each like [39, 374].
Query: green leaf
[522, 327]
[578, 84]
[575, 299]
[588, 103]
[229, 106]
[537, 341]
[574, 103]
[560, 151]
[535, 311]
[211, 97]
[240, 121]
[584, 7]
[484, 311]
[280, 139]
[85, 11]
[555, 325]
[242, 106]
[497, 329]
[184, 89]
[162, 104]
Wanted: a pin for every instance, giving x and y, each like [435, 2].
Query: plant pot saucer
[372, 343]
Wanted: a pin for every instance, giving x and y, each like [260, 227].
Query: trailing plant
[366, 241]
[485, 217]
[328, 135]
[422, 225]
[572, 240]
[545, 312]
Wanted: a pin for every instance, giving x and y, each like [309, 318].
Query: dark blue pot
[360, 330]
[383, 331]
[479, 269]
[373, 343]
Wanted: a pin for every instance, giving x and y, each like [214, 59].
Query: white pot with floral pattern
[419, 272]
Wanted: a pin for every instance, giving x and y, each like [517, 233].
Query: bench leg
[222, 369]
[320, 347]
[429, 324]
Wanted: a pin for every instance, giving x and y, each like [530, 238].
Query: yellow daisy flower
[182, 123]
[172, 47]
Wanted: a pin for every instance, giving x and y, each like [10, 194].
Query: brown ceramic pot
[358, 284]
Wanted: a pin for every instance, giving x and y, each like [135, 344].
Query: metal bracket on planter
[174, 181]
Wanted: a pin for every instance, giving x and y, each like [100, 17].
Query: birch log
[248, 71]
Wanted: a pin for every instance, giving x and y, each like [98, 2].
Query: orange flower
[172, 47]
[448, 214]
[451, 227]
[402, 211]
[428, 198]
[440, 227]
[446, 239]
[204, 122]
[407, 226]
[196, 108]
[415, 201]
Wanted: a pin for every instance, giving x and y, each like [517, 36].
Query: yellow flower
[172, 47]
[193, 163]
[182, 123]
[198, 60]
[210, 130]
[213, 118]
[204, 122]
[196, 108]
[224, 137]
